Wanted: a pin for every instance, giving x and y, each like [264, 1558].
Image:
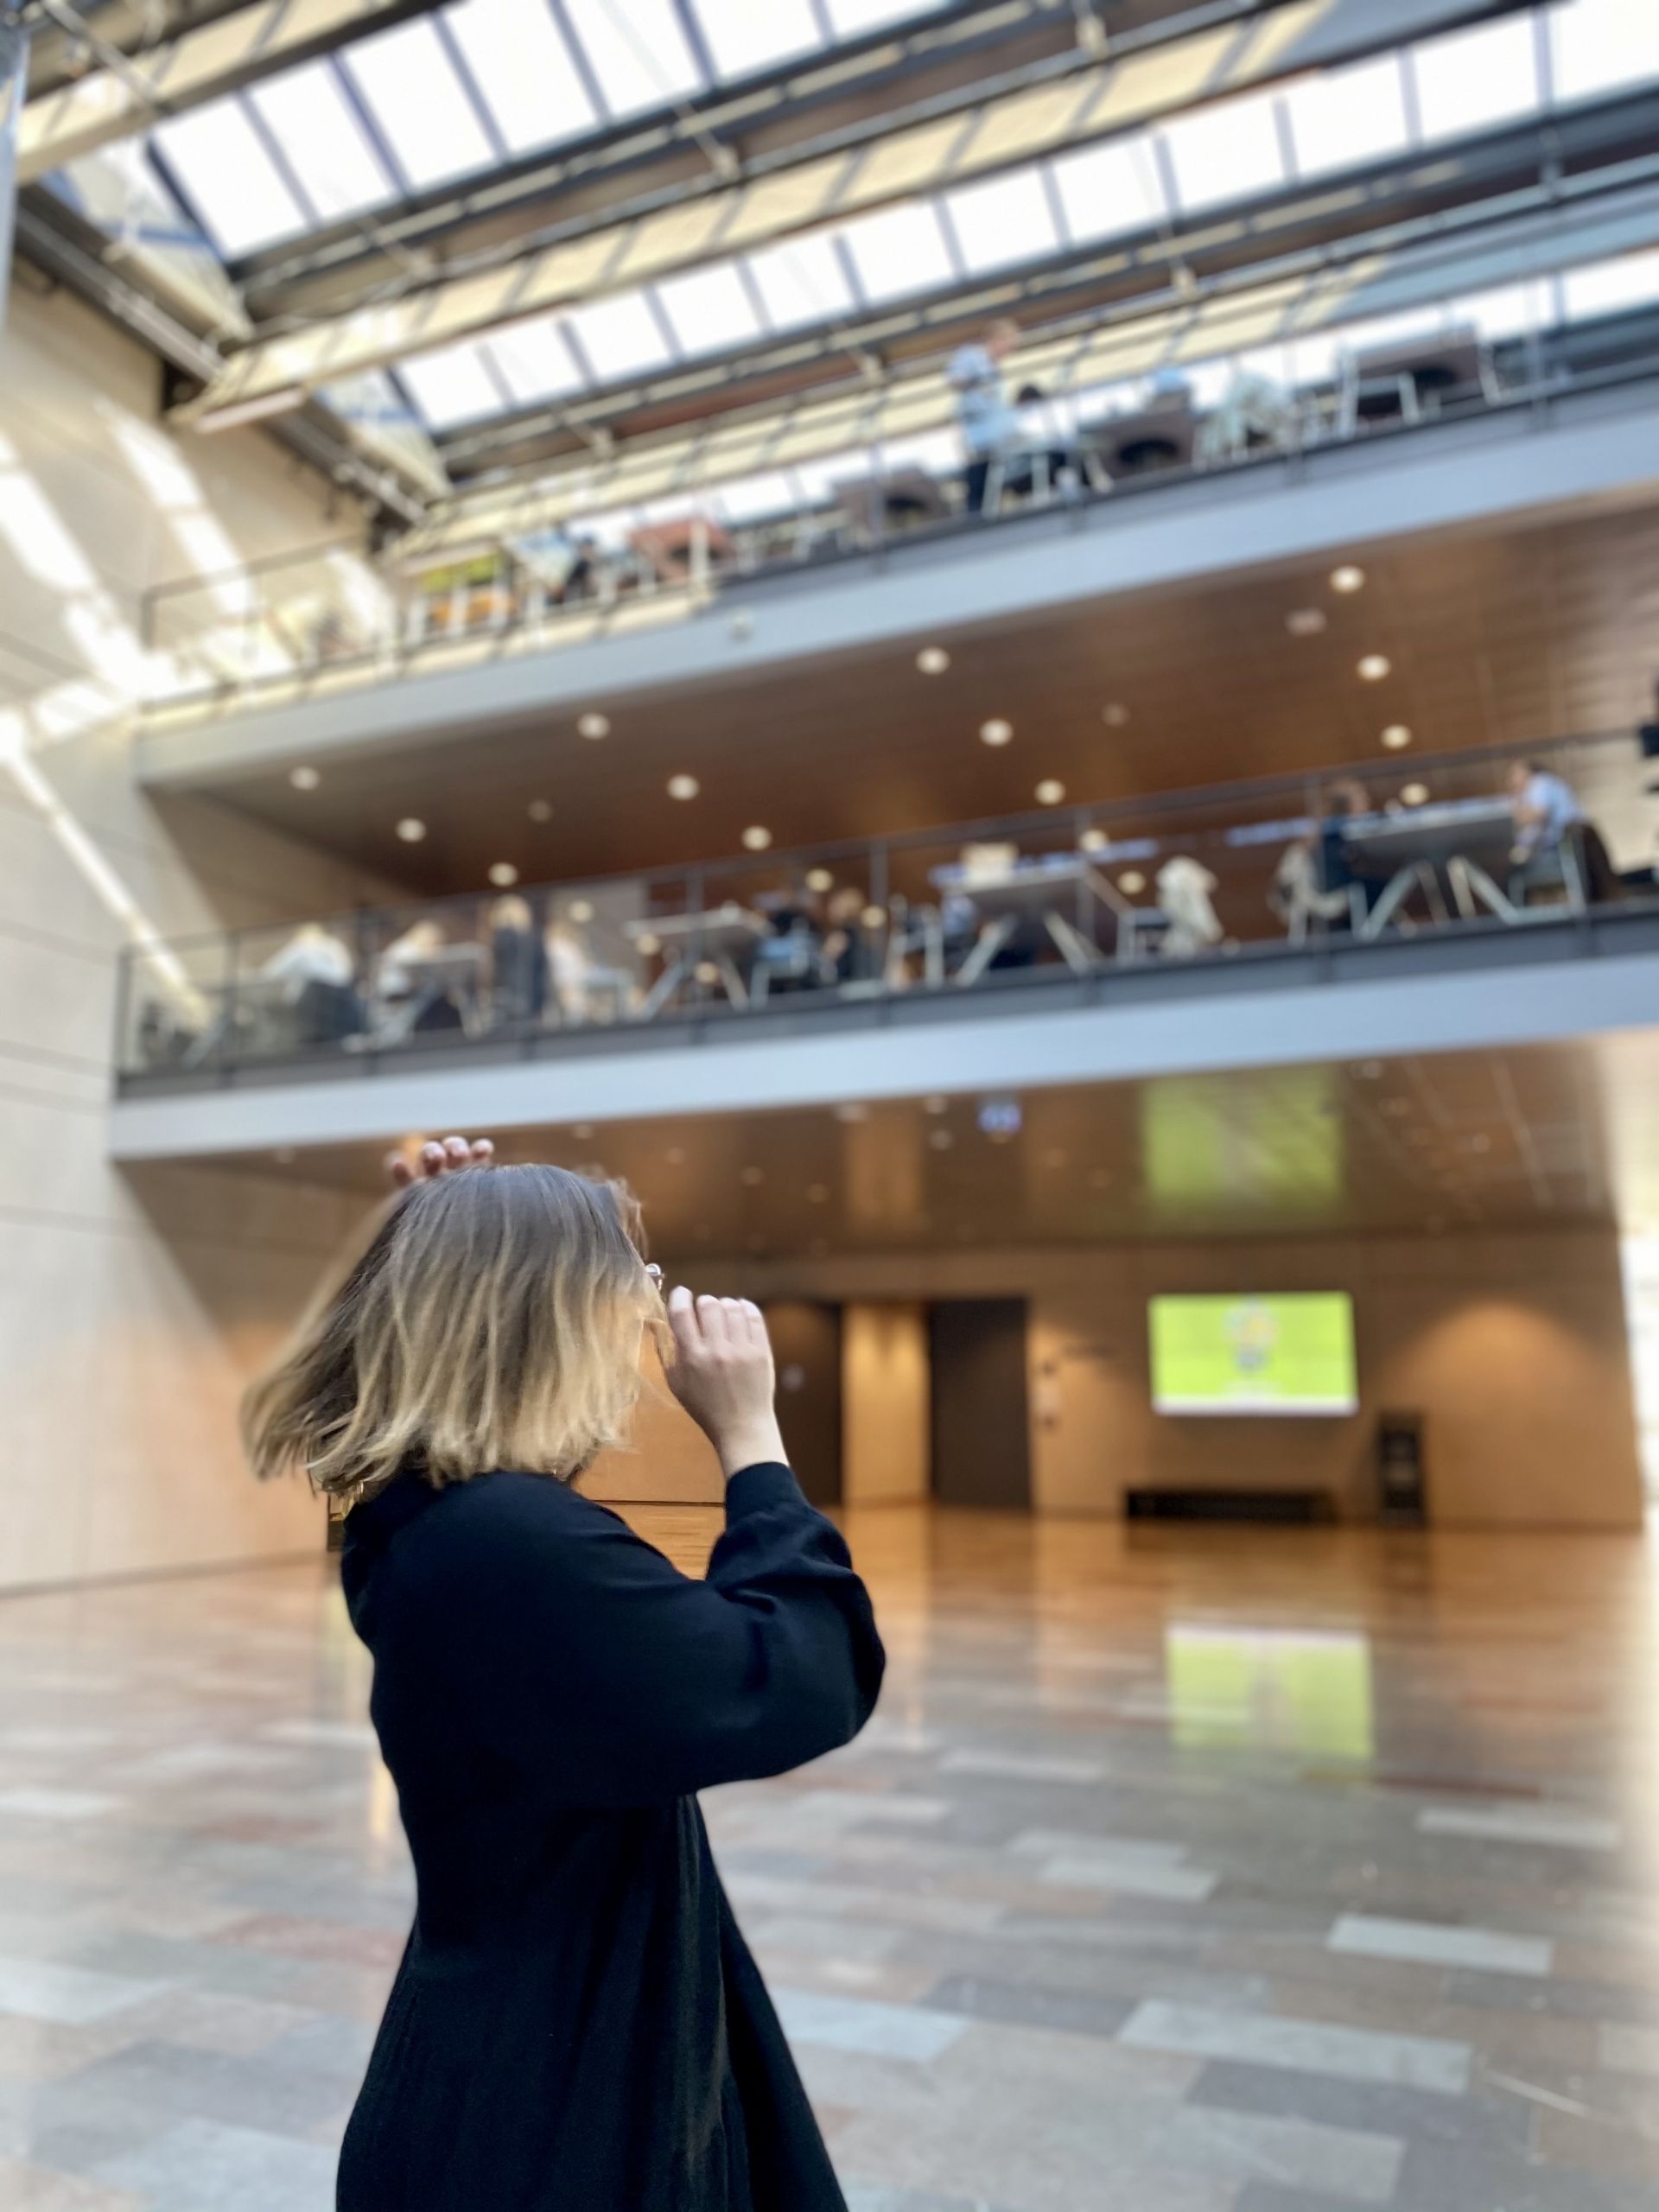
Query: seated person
[404, 981]
[1344, 803]
[1185, 887]
[1555, 848]
[319, 977]
[791, 959]
[849, 947]
[517, 961]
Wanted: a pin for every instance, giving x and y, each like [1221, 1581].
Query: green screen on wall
[1291, 1353]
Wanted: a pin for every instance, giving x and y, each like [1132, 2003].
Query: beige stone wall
[885, 1417]
[130, 1309]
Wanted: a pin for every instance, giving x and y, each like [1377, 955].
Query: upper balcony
[1277, 921]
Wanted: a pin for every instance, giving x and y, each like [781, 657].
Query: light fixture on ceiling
[1374, 667]
[1131, 883]
[757, 837]
[540, 809]
[1050, 792]
[675, 1155]
[1093, 841]
[648, 942]
[706, 971]
[1347, 578]
[683, 787]
[1413, 794]
[411, 829]
[1396, 737]
[284, 1155]
[304, 779]
[1115, 713]
[583, 1131]
[580, 910]
[819, 879]
[939, 1103]
[873, 916]
[933, 660]
[1305, 621]
[941, 1140]
[753, 1177]
[503, 874]
[996, 732]
[594, 726]
[853, 1109]
[1000, 1119]
[1370, 1071]
[1054, 1157]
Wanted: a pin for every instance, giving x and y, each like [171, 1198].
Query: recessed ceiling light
[757, 837]
[1054, 1157]
[1050, 792]
[540, 809]
[873, 916]
[706, 971]
[1305, 621]
[1413, 794]
[817, 1194]
[582, 1129]
[1374, 667]
[1113, 713]
[580, 910]
[939, 1103]
[1347, 578]
[1100, 1177]
[410, 830]
[1370, 1071]
[819, 878]
[594, 726]
[933, 660]
[853, 1111]
[304, 779]
[1131, 882]
[683, 787]
[752, 1176]
[503, 874]
[648, 942]
[996, 732]
[941, 1140]
[1093, 841]
[1396, 737]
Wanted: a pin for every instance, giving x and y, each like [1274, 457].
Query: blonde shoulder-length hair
[496, 1320]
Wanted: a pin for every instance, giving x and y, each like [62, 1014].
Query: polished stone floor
[1180, 1871]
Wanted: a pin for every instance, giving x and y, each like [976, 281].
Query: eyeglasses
[656, 1274]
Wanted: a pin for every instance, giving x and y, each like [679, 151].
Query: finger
[682, 1318]
[432, 1158]
[483, 1152]
[756, 1319]
[456, 1152]
[711, 1319]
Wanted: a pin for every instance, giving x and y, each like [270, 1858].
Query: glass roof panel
[618, 336]
[1608, 287]
[1348, 116]
[451, 385]
[801, 281]
[743, 35]
[849, 18]
[1475, 77]
[325, 145]
[637, 51]
[1005, 219]
[709, 308]
[1226, 151]
[533, 360]
[1107, 190]
[898, 249]
[1598, 44]
[521, 66]
[418, 103]
[750, 497]
[234, 185]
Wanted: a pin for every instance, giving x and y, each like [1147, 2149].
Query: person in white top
[987, 422]
[312, 954]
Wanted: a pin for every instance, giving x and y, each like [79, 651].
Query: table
[1456, 361]
[449, 971]
[1037, 888]
[871, 503]
[1153, 438]
[723, 935]
[1461, 839]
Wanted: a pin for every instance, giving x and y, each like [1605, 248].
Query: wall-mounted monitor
[1290, 1352]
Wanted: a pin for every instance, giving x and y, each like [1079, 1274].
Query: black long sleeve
[605, 1675]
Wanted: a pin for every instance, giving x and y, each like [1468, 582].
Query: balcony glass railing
[328, 617]
[1359, 858]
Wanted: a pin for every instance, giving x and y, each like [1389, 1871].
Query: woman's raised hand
[437, 1158]
[723, 1375]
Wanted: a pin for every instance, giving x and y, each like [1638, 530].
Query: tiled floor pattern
[1179, 1873]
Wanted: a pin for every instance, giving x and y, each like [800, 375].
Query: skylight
[744, 36]
[1107, 190]
[899, 250]
[522, 66]
[1003, 221]
[321, 140]
[637, 50]
[1476, 78]
[801, 281]
[1595, 45]
[451, 385]
[419, 104]
[710, 309]
[1609, 287]
[534, 362]
[1348, 116]
[619, 337]
[849, 18]
[1226, 151]
[218, 156]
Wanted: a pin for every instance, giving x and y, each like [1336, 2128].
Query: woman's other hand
[723, 1375]
[435, 1158]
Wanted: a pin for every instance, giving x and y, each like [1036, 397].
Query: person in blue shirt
[988, 422]
[1554, 846]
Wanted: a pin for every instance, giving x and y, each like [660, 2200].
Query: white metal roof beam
[1090, 102]
[114, 102]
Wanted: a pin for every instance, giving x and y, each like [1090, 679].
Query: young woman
[577, 2025]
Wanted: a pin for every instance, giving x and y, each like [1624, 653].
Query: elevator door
[981, 1439]
[806, 1342]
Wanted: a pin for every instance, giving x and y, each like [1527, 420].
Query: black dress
[577, 2024]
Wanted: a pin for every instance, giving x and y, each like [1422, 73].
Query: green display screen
[1291, 1353]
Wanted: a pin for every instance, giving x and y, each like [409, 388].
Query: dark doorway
[982, 1438]
[806, 1339]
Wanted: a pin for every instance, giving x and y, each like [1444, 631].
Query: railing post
[124, 1052]
[699, 553]
[229, 1050]
[695, 897]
